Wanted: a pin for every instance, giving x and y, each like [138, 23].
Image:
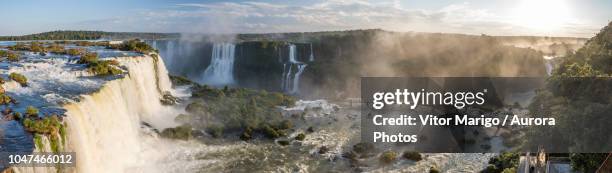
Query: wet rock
[310, 129]
[168, 99]
[323, 150]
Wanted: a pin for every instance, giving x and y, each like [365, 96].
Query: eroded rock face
[169, 99]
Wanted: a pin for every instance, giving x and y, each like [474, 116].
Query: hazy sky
[580, 18]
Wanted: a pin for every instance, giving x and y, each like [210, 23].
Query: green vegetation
[578, 95]
[388, 157]
[49, 126]
[502, 163]
[75, 51]
[31, 112]
[412, 155]
[133, 45]
[181, 132]
[11, 56]
[38, 140]
[46, 125]
[19, 78]
[241, 110]
[107, 67]
[180, 80]
[247, 134]
[283, 142]
[5, 99]
[363, 147]
[88, 58]
[88, 35]
[97, 67]
[587, 162]
[300, 137]
[215, 131]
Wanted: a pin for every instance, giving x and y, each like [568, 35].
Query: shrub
[300, 137]
[74, 52]
[103, 68]
[12, 57]
[247, 134]
[412, 155]
[388, 157]
[56, 48]
[133, 45]
[5, 99]
[239, 108]
[270, 132]
[179, 80]
[283, 142]
[88, 58]
[36, 47]
[19, 78]
[587, 162]
[181, 132]
[215, 131]
[47, 125]
[502, 162]
[38, 141]
[31, 112]
[363, 147]
[285, 124]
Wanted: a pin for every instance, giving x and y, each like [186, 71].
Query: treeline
[579, 105]
[89, 35]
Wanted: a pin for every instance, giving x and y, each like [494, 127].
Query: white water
[290, 83]
[169, 53]
[549, 65]
[104, 128]
[292, 54]
[296, 78]
[311, 54]
[220, 70]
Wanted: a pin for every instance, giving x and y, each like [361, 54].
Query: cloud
[257, 17]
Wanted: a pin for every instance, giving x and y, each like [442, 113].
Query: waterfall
[311, 59]
[169, 53]
[291, 83]
[549, 64]
[296, 79]
[220, 70]
[104, 128]
[292, 54]
[286, 78]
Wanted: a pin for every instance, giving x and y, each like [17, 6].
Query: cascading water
[311, 59]
[296, 78]
[220, 70]
[169, 53]
[549, 64]
[292, 54]
[290, 83]
[105, 130]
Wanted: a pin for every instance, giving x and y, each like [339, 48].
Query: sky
[572, 18]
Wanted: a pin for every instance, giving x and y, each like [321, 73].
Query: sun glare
[542, 15]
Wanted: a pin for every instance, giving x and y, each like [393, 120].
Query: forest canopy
[88, 35]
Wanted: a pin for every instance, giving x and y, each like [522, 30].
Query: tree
[587, 162]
